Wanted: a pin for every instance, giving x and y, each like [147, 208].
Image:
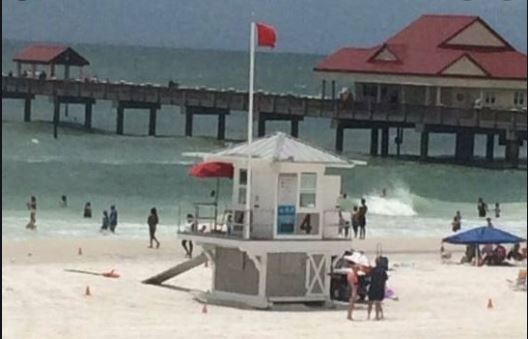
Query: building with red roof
[49, 55]
[448, 60]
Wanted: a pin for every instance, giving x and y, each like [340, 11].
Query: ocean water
[136, 172]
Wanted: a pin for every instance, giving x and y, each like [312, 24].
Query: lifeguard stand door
[286, 203]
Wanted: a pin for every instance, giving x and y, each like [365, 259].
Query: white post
[438, 96]
[250, 129]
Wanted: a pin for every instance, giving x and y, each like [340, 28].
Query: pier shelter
[49, 56]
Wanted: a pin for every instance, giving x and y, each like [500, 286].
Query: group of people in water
[482, 210]
[358, 217]
[109, 222]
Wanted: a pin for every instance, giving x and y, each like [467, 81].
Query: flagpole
[247, 219]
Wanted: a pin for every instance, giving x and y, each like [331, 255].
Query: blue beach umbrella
[483, 235]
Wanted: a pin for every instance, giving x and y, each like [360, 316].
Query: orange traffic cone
[87, 291]
[490, 303]
[80, 251]
[204, 308]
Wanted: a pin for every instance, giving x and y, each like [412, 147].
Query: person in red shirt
[353, 281]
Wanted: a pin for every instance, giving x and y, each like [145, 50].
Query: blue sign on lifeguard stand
[286, 219]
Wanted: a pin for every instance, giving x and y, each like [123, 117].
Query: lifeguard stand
[286, 255]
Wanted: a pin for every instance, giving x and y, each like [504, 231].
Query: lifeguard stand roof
[280, 147]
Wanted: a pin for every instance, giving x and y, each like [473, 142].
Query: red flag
[267, 35]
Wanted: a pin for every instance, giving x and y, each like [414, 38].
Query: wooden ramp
[176, 270]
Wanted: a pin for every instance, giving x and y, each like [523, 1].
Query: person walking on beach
[362, 219]
[113, 218]
[353, 282]
[32, 207]
[152, 222]
[87, 210]
[497, 210]
[482, 208]
[105, 223]
[376, 293]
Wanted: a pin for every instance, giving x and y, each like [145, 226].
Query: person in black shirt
[376, 293]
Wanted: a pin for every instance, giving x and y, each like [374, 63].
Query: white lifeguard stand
[294, 225]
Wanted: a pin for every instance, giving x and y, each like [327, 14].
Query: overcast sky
[309, 26]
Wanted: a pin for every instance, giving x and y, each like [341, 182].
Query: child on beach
[152, 222]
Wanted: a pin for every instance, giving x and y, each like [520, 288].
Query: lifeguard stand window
[242, 186]
[308, 190]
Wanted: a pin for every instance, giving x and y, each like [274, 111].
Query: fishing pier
[509, 126]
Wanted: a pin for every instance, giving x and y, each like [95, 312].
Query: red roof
[421, 49]
[47, 54]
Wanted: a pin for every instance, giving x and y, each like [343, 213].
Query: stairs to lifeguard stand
[176, 270]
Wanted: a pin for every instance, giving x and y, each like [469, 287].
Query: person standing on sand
[113, 218]
[362, 219]
[32, 207]
[152, 222]
[376, 293]
[353, 282]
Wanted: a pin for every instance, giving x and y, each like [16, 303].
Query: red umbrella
[213, 169]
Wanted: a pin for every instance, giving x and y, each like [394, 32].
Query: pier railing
[265, 103]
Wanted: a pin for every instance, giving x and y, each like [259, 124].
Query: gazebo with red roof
[49, 55]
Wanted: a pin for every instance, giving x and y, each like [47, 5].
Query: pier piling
[384, 141]
[490, 144]
[27, 109]
[339, 137]
[464, 145]
[152, 121]
[120, 119]
[374, 141]
[88, 116]
[424, 145]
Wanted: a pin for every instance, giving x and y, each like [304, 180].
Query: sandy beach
[41, 300]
